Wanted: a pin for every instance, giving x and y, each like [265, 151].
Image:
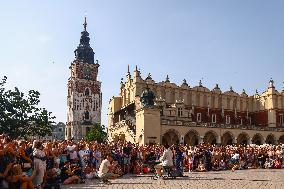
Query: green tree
[97, 133]
[20, 115]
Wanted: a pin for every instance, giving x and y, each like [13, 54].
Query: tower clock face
[87, 72]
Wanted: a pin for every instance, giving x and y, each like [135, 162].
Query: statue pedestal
[148, 126]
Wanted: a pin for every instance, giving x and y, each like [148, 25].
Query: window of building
[60, 129]
[214, 118]
[281, 120]
[179, 112]
[228, 119]
[199, 119]
[87, 115]
[161, 110]
[87, 92]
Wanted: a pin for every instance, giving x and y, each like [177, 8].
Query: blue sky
[230, 42]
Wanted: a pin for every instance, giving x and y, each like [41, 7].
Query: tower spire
[84, 51]
[85, 24]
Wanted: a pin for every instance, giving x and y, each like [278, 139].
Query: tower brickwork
[84, 98]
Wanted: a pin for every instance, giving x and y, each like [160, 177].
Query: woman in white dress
[39, 163]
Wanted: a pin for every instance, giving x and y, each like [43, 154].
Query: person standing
[127, 150]
[179, 158]
[39, 163]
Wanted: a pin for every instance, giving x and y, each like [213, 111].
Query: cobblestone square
[258, 178]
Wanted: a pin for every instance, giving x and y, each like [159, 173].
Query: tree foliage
[97, 133]
[20, 115]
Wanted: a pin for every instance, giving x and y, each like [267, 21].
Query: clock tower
[84, 97]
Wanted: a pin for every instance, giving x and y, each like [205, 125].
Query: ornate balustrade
[179, 123]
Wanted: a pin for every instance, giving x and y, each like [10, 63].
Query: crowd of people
[28, 164]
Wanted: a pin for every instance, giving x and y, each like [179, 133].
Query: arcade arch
[227, 139]
[170, 137]
[281, 139]
[270, 139]
[191, 138]
[257, 139]
[243, 139]
[210, 137]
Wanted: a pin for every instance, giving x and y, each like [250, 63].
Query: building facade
[194, 115]
[84, 98]
[58, 131]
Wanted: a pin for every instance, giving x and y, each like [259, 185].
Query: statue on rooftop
[147, 98]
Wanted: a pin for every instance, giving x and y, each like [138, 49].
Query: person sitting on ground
[117, 169]
[6, 164]
[68, 175]
[222, 165]
[166, 160]
[277, 163]
[201, 166]
[17, 179]
[106, 168]
[52, 179]
[215, 166]
[268, 163]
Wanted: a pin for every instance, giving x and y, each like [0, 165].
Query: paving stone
[245, 179]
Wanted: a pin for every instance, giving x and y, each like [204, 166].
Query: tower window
[199, 117]
[179, 112]
[214, 118]
[281, 120]
[228, 119]
[88, 129]
[87, 92]
[87, 115]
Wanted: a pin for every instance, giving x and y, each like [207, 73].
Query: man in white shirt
[166, 160]
[106, 168]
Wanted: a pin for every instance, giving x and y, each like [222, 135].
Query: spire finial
[85, 24]
[128, 69]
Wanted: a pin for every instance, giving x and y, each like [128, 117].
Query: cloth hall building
[193, 115]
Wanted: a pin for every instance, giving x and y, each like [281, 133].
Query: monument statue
[147, 98]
